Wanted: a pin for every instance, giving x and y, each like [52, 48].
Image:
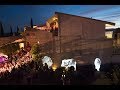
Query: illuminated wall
[33, 36]
[118, 39]
[84, 34]
[53, 25]
[6, 40]
[73, 27]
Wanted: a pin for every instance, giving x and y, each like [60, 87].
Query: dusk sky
[20, 15]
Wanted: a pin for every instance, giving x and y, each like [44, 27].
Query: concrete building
[80, 38]
[71, 36]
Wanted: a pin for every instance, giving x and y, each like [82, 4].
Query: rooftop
[111, 23]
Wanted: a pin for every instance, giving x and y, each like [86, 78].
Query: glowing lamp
[38, 42]
[54, 67]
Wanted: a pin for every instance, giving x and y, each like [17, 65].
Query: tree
[11, 32]
[35, 49]
[31, 22]
[1, 30]
[18, 30]
[35, 52]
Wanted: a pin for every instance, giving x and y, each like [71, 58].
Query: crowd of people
[15, 61]
[31, 73]
[22, 70]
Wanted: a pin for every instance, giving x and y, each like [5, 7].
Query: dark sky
[20, 15]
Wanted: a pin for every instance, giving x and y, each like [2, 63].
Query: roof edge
[111, 23]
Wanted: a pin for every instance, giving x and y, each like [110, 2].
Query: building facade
[80, 38]
[68, 36]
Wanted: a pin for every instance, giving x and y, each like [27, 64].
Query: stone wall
[74, 26]
[86, 36]
[6, 40]
[33, 36]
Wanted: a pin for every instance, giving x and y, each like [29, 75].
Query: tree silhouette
[1, 30]
[31, 22]
[11, 32]
[18, 30]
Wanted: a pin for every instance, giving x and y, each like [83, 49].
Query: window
[109, 34]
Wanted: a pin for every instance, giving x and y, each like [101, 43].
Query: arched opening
[97, 64]
[68, 63]
[47, 60]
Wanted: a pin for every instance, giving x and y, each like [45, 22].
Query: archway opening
[47, 60]
[68, 63]
[97, 64]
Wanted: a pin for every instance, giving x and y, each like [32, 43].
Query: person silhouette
[45, 67]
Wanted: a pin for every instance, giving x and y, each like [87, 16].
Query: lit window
[21, 45]
[109, 34]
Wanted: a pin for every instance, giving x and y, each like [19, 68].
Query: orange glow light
[54, 67]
